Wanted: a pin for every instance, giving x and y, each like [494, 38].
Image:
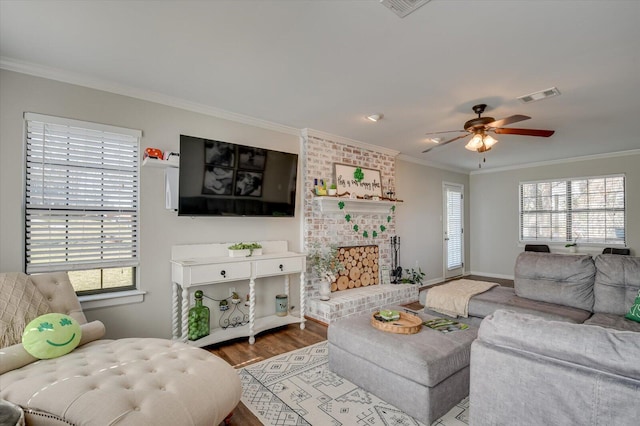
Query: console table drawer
[219, 273]
[278, 266]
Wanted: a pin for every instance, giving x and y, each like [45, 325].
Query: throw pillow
[20, 302]
[634, 312]
[51, 336]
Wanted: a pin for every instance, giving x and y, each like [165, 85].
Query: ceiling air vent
[403, 7]
[537, 96]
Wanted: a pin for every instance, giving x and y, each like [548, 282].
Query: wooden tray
[407, 324]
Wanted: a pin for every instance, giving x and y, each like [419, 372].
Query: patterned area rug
[297, 388]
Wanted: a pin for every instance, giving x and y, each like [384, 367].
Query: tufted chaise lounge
[133, 381]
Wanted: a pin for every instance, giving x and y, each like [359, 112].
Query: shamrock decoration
[358, 175]
[366, 233]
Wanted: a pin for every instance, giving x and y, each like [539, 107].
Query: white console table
[209, 264]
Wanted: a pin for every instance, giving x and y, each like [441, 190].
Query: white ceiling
[325, 65]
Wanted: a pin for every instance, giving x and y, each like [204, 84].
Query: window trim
[94, 298]
[522, 241]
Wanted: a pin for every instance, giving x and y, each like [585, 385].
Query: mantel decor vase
[325, 290]
[199, 318]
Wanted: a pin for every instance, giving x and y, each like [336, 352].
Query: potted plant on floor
[245, 249]
[325, 264]
[412, 276]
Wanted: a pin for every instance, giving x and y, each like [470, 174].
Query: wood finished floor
[239, 353]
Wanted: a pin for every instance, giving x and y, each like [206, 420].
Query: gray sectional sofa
[563, 287]
[556, 348]
[527, 370]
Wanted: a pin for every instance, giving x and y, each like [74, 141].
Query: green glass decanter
[198, 319]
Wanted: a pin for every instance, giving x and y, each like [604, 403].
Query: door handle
[446, 239]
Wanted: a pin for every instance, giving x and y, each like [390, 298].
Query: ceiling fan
[481, 126]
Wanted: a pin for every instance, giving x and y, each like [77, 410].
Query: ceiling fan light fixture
[475, 143]
[375, 117]
[489, 141]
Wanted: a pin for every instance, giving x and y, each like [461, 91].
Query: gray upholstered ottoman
[423, 374]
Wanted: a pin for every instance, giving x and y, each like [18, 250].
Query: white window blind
[454, 229]
[586, 210]
[81, 195]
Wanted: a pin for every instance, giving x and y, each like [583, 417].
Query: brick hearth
[359, 300]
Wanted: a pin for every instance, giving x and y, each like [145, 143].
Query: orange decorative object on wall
[153, 153]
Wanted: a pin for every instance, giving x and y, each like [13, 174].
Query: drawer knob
[223, 273]
[281, 267]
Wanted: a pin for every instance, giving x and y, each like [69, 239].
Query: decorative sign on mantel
[358, 180]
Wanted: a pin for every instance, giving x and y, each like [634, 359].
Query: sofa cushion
[617, 322]
[617, 282]
[556, 278]
[599, 348]
[20, 302]
[490, 301]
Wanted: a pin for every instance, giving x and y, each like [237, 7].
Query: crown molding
[56, 74]
[340, 139]
[559, 161]
[422, 162]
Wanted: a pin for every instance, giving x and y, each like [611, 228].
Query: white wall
[160, 229]
[419, 217]
[494, 207]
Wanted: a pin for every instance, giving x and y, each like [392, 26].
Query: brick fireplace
[325, 225]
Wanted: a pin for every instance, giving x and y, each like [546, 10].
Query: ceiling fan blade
[508, 120]
[525, 132]
[445, 142]
[447, 131]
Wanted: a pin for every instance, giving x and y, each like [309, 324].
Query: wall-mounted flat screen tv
[218, 178]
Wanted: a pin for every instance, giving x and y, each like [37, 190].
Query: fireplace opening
[361, 267]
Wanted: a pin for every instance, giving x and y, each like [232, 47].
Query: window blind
[586, 210]
[81, 195]
[454, 229]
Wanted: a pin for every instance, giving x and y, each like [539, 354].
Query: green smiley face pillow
[51, 336]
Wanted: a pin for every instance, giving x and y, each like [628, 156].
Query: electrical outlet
[231, 291]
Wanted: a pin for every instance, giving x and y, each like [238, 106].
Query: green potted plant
[412, 276]
[333, 189]
[235, 298]
[245, 249]
[326, 265]
[572, 246]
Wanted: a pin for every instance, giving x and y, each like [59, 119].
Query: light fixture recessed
[435, 140]
[375, 117]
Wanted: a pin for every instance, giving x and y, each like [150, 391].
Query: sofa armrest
[15, 356]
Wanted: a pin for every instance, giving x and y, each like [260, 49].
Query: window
[81, 202]
[586, 210]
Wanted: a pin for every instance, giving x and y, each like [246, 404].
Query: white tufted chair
[134, 381]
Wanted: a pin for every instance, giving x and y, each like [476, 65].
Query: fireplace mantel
[330, 205]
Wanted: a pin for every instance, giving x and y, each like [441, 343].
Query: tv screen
[219, 178]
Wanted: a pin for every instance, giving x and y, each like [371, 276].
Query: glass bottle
[198, 318]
